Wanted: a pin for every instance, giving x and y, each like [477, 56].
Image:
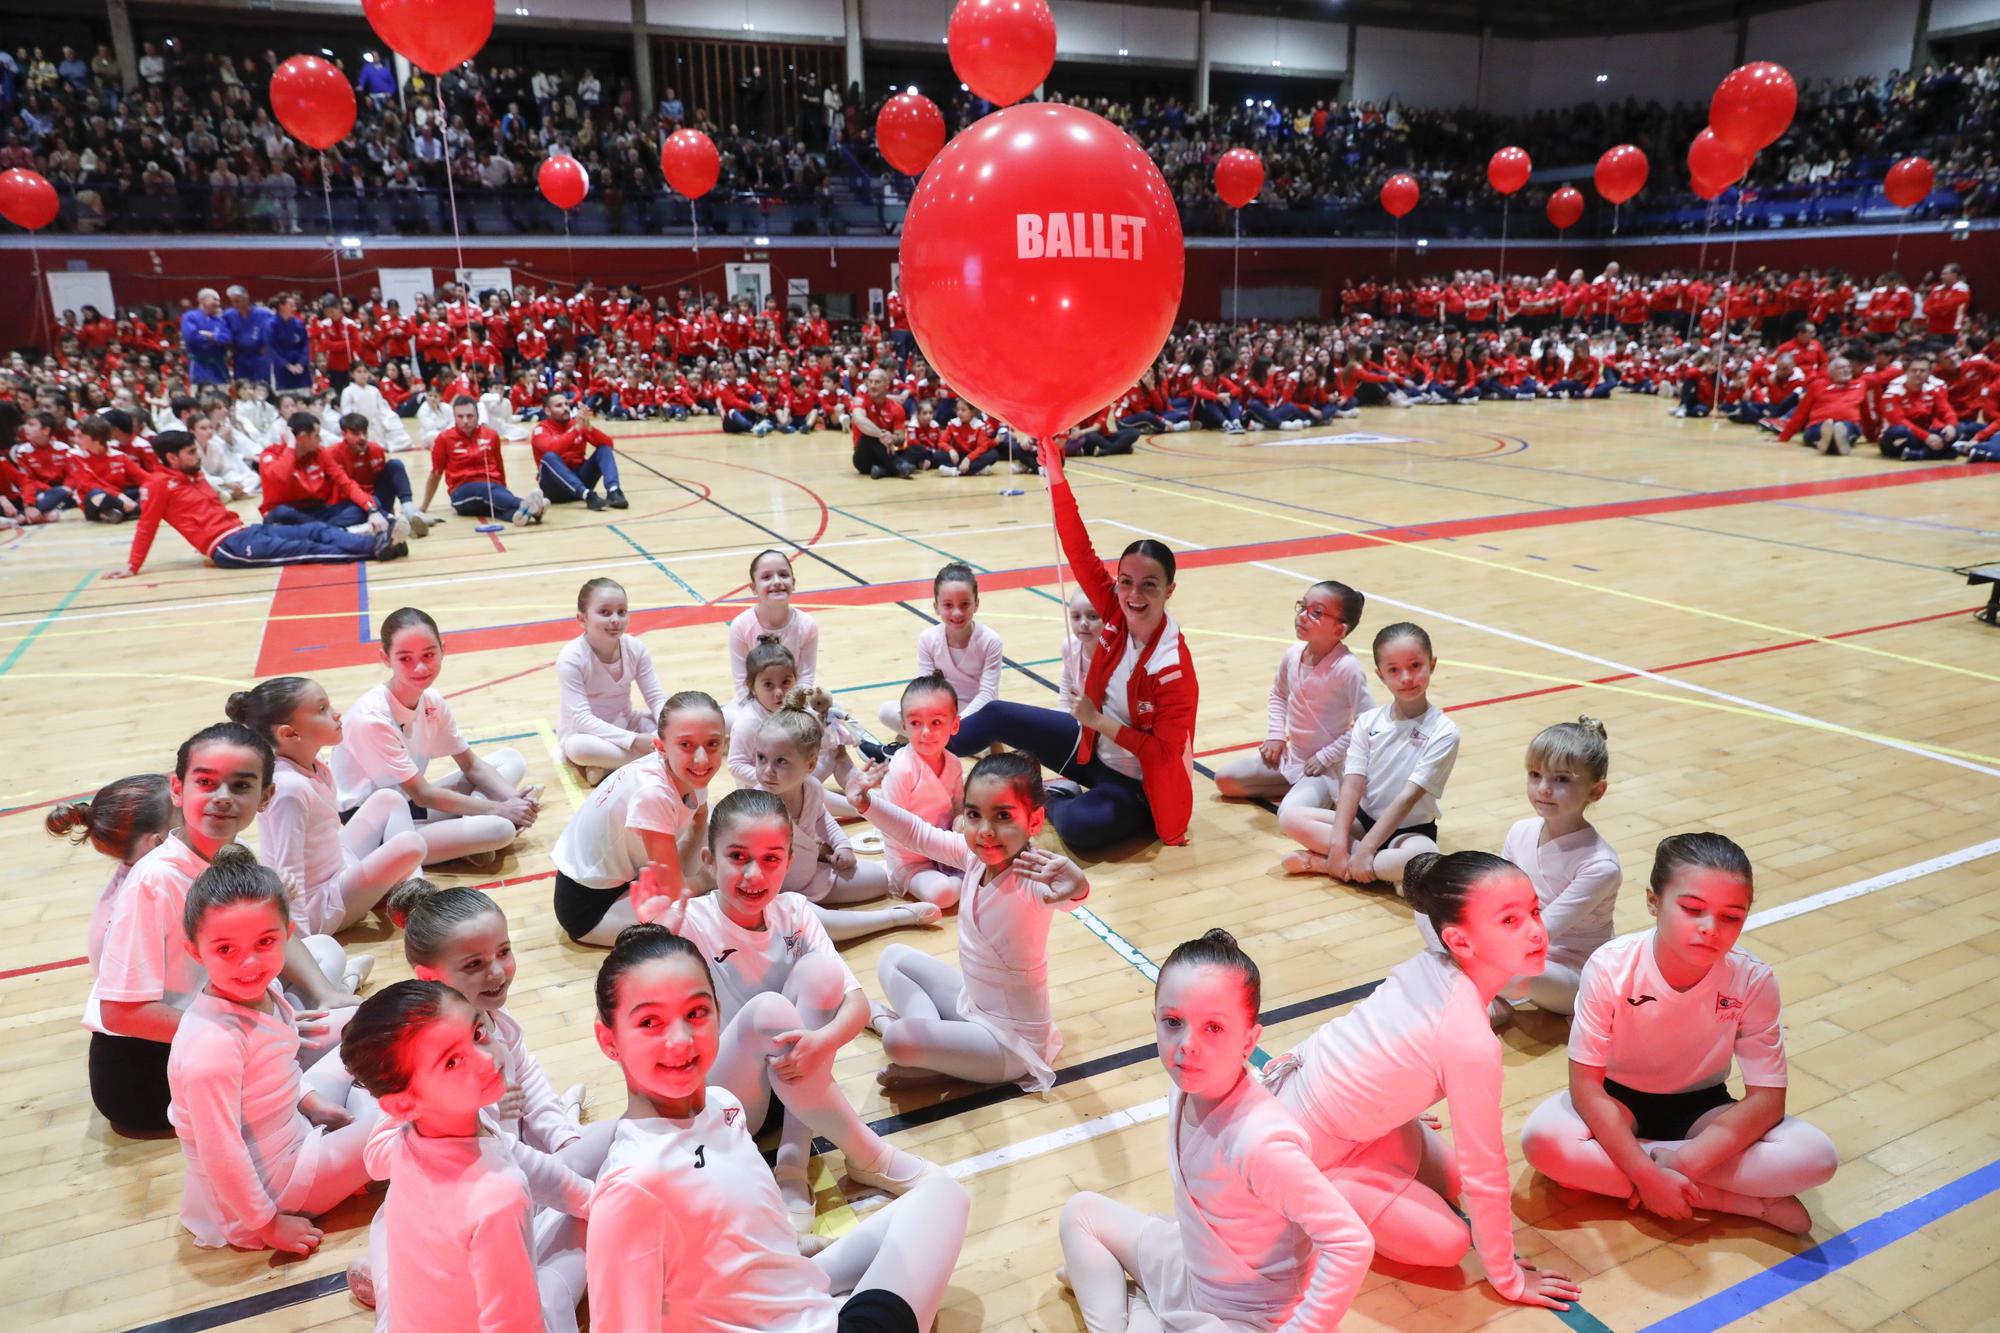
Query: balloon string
[1055, 535]
[1735, 231]
[1236, 280]
[333, 240]
[44, 324]
[1506, 202]
[450, 187]
[1701, 261]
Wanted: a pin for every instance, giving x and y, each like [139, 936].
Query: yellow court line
[835, 1221]
[572, 789]
[1438, 552]
[128, 675]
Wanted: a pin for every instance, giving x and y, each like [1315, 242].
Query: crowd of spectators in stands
[194, 146]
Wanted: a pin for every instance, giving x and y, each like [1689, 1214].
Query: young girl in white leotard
[989, 1021]
[967, 654]
[1360, 1083]
[687, 1230]
[926, 780]
[1660, 1017]
[1259, 1239]
[771, 582]
[599, 728]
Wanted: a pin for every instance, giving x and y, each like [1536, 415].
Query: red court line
[1672, 666]
[499, 680]
[41, 805]
[297, 657]
[496, 542]
[42, 967]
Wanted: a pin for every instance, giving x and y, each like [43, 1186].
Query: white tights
[908, 1247]
[929, 1032]
[1793, 1156]
[1307, 816]
[1247, 778]
[448, 837]
[382, 849]
[813, 1105]
[339, 1171]
[831, 892]
[937, 887]
[586, 751]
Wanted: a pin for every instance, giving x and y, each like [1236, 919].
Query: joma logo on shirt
[1079, 236]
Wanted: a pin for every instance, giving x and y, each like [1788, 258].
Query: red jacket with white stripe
[186, 504]
[1161, 695]
[1923, 410]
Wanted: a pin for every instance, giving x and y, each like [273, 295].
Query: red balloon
[690, 162]
[1753, 106]
[27, 199]
[1399, 194]
[909, 130]
[1047, 224]
[1508, 170]
[1621, 172]
[312, 100]
[1909, 182]
[433, 35]
[1713, 162]
[1002, 49]
[563, 181]
[1239, 174]
[1706, 188]
[1565, 207]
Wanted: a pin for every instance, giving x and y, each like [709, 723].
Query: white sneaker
[536, 501]
[761, 429]
[1178, 426]
[1293, 424]
[1347, 413]
[947, 470]
[401, 529]
[522, 518]
[419, 521]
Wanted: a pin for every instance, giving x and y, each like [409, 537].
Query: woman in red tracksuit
[1455, 379]
[1830, 411]
[1130, 743]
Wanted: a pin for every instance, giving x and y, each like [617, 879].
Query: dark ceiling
[1512, 18]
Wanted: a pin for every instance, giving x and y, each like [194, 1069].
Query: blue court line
[90, 576]
[510, 736]
[361, 597]
[897, 684]
[654, 560]
[1830, 1256]
[937, 550]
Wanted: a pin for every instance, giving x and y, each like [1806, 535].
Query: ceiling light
[1604, 78]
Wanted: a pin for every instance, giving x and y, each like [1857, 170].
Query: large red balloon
[1239, 174]
[1909, 182]
[1399, 194]
[1508, 170]
[1753, 106]
[1042, 264]
[1714, 163]
[433, 35]
[1621, 172]
[27, 199]
[1002, 49]
[909, 130]
[563, 181]
[1565, 207]
[312, 100]
[690, 162]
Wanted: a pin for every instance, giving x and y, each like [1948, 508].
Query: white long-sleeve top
[746, 962]
[813, 830]
[459, 1221]
[1421, 1035]
[594, 697]
[433, 418]
[1003, 942]
[800, 633]
[1266, 1238]
[382, 419]
[299, 831]
[933, 798]
[250, 1151]
[1312, 708]
[257, 419]
[545, 1123]
[1076, 655]
[1576, 879]
[100, 916]
[973, 672]
[144, 954]
[750, 718]
[688, 1232]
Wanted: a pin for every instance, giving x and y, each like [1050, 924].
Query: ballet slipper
[361, 1282]
[878, 1178]
[918, 913]
[1303, 862]
[879, 1014]
[898, 1077]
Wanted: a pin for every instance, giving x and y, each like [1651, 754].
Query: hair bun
[1218, 936]
[233, 856]
[66, 817]
[238, 707]
[403, 899]
[1589, 723]
[1418, 869]
[768, 637]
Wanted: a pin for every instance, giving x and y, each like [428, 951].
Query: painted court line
[28, 640]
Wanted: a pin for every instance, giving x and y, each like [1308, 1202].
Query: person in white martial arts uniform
[267, 1149]
[653, 812]
[394, 730]
[1660, 1017]
[687, 1230]
[597, 726]
[789, 1003]
[1360, 1083]
[1319, 690]
[1399, 757]
[340, 869]
[1259, 1239]
[772, 581]
[480, 1231]
[989, 1020]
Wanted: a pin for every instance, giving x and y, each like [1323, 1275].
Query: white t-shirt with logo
[1652, 1038]
[385, 744]
[1392, 751]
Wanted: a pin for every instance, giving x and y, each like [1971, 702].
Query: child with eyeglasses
[1319, 690]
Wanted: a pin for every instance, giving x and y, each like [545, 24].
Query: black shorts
[128, 1082]
[1364, 822]
[877, 1311]
[579, 908]
[1667, 1116]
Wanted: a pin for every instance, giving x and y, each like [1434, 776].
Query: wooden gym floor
[1773, 638]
